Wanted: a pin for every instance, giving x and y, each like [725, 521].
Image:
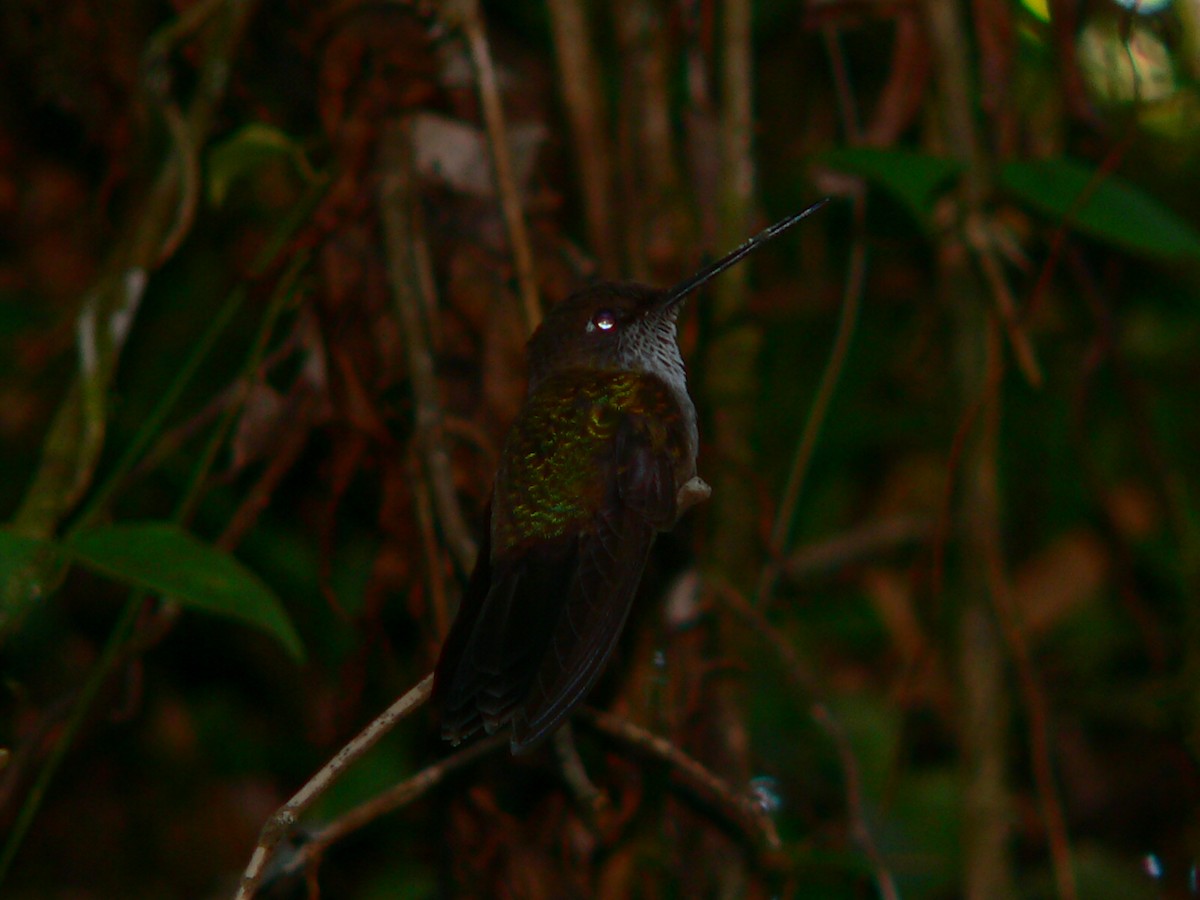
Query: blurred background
[266, 275]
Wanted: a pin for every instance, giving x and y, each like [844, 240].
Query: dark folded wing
[499, 637]
[610, 561]
[537, 624]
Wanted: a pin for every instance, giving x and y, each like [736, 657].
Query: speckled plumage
[564, 438]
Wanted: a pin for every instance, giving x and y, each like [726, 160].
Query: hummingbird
[600, 459]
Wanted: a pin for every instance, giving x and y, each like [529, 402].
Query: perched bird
[601, 457]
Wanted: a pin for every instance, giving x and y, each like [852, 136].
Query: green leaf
[915, 179]
[244, 152]
[166, 559]
[1114, 211]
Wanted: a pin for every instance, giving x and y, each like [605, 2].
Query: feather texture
[588, 476]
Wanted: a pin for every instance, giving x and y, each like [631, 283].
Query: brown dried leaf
[457, 153]
[617, 874]
[1133, 510]
[1065, 575]
[259, 426]
[892, 596]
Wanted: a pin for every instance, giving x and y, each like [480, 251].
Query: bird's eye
[604, 320]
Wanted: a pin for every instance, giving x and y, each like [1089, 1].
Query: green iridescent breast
[561, 454]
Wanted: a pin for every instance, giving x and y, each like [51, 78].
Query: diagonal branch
[736, 807]
[285, 817]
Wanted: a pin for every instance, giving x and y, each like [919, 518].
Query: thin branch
[734, 390]
[902, 97]
[584, 102]
[736, 187]
[646, 153]
[285, 817]
[282, 458]
[1036, 707]
[844, 91]
[96, 679]
[399, 207]
[851, 301]
[423, 508]
[980, 241]
[735, 806]
[581, 786]
[309, 854]
[468, 17]
[1112, 160]
[984, 713]
[884, 880]
[804, 681]
[861, 543]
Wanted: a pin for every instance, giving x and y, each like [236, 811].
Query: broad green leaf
[243, 152]
[915, 179]
[166, 559]
[1114, 210]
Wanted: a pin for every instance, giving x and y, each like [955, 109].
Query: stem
[96, 678]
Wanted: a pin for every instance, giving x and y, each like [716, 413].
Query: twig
[402, 794]
[282, 458]
[736, 187]
[1034, 699]
[423, 507]
[996, 37]
[734, 806]
[286, 816]
[1058, 239]
[988, 866]
[861, 543]
[980, 241]
[189, 179]
[902, 97]
[984, 712]
[803, 679]
[400, 210]
[806, 686]
[574, 773]
[96, 678]
[851, 301]
[844, 91]
[173, 33]
[1064, 21]
[584, 102]
[467, 16]
[646, 148]
[854, 800]
[734, 395]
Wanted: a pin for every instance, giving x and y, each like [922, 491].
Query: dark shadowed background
[263, 304]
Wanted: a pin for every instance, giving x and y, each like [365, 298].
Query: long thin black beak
[685, 287]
